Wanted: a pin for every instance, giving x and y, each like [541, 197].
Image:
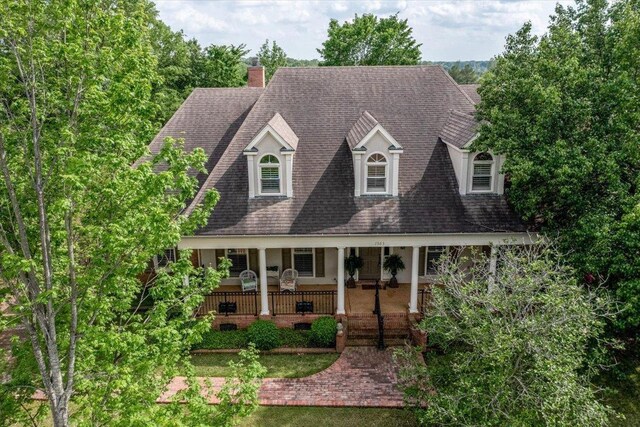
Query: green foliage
[271, 58]
[323, 331]
[462, 74]
[214, 340]
[353, 263]
[393, 263]
[370, 40]
[264, 335]
[81, 214]
[221, 66]
[564, 109]
[516, 348]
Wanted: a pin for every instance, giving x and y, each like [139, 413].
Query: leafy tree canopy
[370, 40]
[81, 216]
[510, 348]
[271, 57]
[463, 74]
[565, 109]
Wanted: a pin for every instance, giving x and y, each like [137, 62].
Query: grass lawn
[624, 394]
[327, 417]
[278, 365]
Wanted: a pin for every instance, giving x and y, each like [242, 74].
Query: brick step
[372, 342]
[374, 332]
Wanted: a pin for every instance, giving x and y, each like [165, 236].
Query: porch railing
[425, 299]
[302, 302]
[248, 303]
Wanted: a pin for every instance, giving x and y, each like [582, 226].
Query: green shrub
[293, 338]
[214, 340]
[323, 331]
[264, 334]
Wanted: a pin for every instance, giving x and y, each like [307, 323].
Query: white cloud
[448, 30]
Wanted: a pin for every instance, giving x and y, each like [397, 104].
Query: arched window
[482, 172]
[377, 173]
[270, 175]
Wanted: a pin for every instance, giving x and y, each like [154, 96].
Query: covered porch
[321, 284]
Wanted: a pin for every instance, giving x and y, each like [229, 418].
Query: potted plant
[352, 264]
[393, 264]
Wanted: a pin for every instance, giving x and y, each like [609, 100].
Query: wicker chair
[249, 281]
[289, 280]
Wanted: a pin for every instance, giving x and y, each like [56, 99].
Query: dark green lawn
[278, 365]
[328, 417]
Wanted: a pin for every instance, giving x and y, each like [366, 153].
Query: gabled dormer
[376, 158]
[476, 172]
[270, 159]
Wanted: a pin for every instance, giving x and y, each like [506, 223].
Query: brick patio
[362, 376]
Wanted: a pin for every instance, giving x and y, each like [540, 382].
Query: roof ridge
[473, 104]
[326, 67]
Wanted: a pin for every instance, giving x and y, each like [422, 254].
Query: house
[330, 161]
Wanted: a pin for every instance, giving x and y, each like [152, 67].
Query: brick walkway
[362, 376]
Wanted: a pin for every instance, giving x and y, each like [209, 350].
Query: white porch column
[415, 260]
[340, 309]
[264, 296]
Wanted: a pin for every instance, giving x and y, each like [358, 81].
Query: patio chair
[249, 281]
[289, 280]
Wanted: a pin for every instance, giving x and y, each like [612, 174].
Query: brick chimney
[255, 76]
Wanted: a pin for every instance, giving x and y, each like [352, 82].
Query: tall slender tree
[271, 57]
[79, 222]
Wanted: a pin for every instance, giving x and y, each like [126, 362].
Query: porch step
[373, 342]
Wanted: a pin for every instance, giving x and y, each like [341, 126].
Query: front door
[371, 264]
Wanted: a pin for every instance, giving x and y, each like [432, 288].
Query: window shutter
[253, 260]
[422, 254]
[319, 262]
[286, 258]
[195, 258]
[219, 254]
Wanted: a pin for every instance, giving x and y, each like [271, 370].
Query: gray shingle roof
[472, 91]
[459, 129]
[208, 119]
[321, 106]
[280, 125]
[361, 128]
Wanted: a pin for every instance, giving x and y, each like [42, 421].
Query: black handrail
[378, 312]
[247, 303]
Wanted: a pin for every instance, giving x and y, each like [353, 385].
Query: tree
[81, 215]
[515, 348]
[370, 41]
[564, 109]
[221, 66]
[463, 75]
[271, 57]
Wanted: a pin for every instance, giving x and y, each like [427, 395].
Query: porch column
[415, 260]
[264, 296]
[340, 309]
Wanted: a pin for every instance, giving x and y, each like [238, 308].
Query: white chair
[249, 281]
[289, 280]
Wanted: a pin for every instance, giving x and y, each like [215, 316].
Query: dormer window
[483, 167]
[270, 175]
[377, 167]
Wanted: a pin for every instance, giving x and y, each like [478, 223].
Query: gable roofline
[364, 129]
[281, 132]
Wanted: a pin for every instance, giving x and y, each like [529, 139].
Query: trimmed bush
[264, 334]
[323, 331]
[293, 338]
[215, 340]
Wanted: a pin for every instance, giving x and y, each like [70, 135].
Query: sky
[448, 30]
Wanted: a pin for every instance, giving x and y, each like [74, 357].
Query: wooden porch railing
[248, 303]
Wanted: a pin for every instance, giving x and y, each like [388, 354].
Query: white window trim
[427, 273]
[492, 177]
[246, 254]
[386, 176]
[293, 263]
[269, 165]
